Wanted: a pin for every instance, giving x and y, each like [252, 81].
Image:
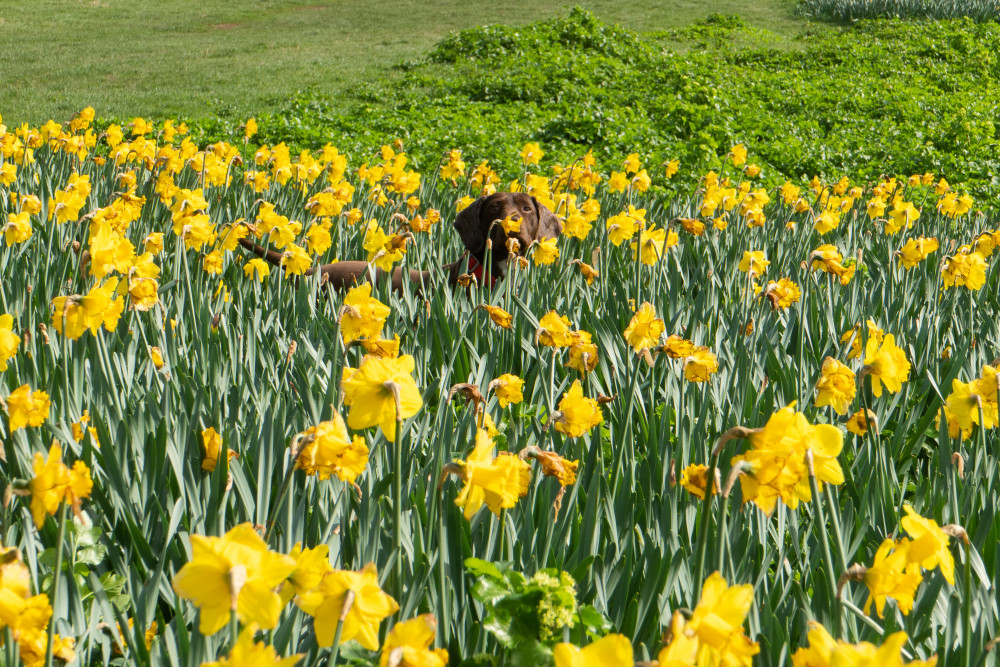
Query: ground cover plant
[880, 97]
[725, 427]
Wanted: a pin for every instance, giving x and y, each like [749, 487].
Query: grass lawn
[216, 57]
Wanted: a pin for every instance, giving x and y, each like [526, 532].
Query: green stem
[335, 651]
[503, 533]
[825, 543]
[54, 596]
[285, 484]
[722, 540]
[967, 607]
[234, 630]
[835, 524]
[397, 510]
[444, 624]
[706, 514]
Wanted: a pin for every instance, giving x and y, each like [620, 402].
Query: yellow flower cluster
[776, 465]
[27, 616]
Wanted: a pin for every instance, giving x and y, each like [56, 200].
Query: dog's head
[476, 223]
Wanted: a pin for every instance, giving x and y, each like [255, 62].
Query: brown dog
[475, 224]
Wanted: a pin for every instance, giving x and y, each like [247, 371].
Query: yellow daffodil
[579, 414]
[860, 422]
[754, 260]
[233, 572]
[496, 481]
[369, 393]
[554, 331]
[508, 389]
[694, 479]
[371, 605]
[246, 653]
[700, 365]
[609, 651]
[212, 442]
[915, 251]
[887, 364]
[892, 576]
[26, 407]
[9, 341]
[329, 450]
[362, 316]
[929, 544]
[408, 644]
[717, 622]
[645, 329]
[836, 386]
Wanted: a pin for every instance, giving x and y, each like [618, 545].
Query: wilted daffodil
[496, 481]
[609, 651]
[860, 422]
[27, 408]
[370, 391]
[500, 317]
[327, 449]
[780, 294]
[645, 329]
[886, 364]
[553, 465]
[836, 386]
[676, 347]
[694, 480]
[233, 572]
[325, 604]
[577, 414]
[246, 653]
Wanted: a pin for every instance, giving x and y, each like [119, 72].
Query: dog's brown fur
[475, 224]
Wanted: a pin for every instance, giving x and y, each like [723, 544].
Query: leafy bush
[889, 96]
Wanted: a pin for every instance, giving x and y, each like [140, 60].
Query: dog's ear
[470, 227]
[549, 226]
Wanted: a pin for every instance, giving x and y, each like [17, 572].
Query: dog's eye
[525, 208]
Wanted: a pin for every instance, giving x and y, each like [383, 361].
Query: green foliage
[886, 96]
[529, 615]
[853, 10]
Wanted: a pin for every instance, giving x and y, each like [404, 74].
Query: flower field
[754, 423]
